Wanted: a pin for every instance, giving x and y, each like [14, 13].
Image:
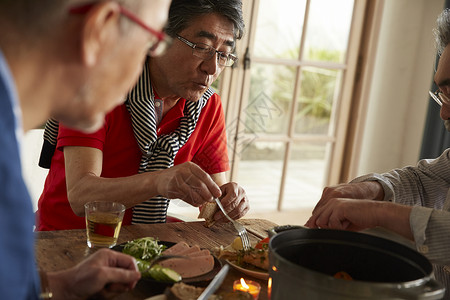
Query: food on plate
[190, 250]
[177, 248]
[191, 267]
[146, 248]
[263, 244]
[198, 261]
[257, 256]
[207, 212]
[343, 275]
[157, 272]
[182, 291]
[237, 244]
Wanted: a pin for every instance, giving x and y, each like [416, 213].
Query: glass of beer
[103, 222]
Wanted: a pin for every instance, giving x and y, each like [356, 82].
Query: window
[288, 99]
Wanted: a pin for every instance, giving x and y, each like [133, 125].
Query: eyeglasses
[158, 48]
[205, 52]
[439, 97]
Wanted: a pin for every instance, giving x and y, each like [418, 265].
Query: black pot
[303, 262]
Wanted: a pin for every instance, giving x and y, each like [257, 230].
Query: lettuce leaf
[146, 248]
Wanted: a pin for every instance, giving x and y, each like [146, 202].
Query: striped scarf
[158, 153]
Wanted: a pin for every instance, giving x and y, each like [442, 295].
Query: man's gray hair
[442, 31]
[183, 12]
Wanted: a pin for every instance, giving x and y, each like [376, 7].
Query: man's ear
[100, 24]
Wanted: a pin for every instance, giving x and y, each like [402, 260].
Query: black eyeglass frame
[205, 52]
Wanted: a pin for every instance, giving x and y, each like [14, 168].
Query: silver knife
[215, 283]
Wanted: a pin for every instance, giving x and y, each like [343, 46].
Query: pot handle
[430, 290]
[277, 229]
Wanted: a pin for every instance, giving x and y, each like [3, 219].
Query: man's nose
[211, 66]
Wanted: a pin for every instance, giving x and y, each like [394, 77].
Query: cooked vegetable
[257, 257]
[237, 244]
[157, 272]
[164, 274]
[143, 267]
[146, 248]
[263, 244]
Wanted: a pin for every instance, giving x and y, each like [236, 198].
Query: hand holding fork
[239, 227]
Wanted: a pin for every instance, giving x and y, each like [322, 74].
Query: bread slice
[207, 212]
[182, 291]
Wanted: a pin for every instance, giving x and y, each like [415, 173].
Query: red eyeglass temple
[82, 9]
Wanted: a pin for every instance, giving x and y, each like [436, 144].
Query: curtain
[436, 138]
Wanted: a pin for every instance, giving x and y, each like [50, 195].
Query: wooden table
[57, 250]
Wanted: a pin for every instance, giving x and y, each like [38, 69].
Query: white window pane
[319, 90]
[328, 30]
[271, 93]
[279, 28]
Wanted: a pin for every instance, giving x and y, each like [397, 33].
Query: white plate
[256, 274]
[157, 297]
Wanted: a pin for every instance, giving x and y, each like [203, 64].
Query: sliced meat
[177, 248]
[190, 250]
[192, 267]
[200, 253]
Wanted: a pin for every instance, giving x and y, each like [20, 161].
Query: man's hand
[188, 182]
[346, 214]
[234, 201]
[360, 190]
[359, 214]
[105, 272]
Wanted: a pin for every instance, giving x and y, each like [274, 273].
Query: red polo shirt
[207, 147]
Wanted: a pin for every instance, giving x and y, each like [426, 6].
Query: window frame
[348, 114]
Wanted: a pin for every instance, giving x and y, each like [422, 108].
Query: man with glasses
[413, 202]
[167, 141]
[56, 62]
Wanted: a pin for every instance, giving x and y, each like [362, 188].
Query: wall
[33, 174]
[399, 91]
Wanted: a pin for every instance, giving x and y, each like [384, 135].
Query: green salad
[146, 248]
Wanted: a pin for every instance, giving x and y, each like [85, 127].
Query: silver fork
[239, 227]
